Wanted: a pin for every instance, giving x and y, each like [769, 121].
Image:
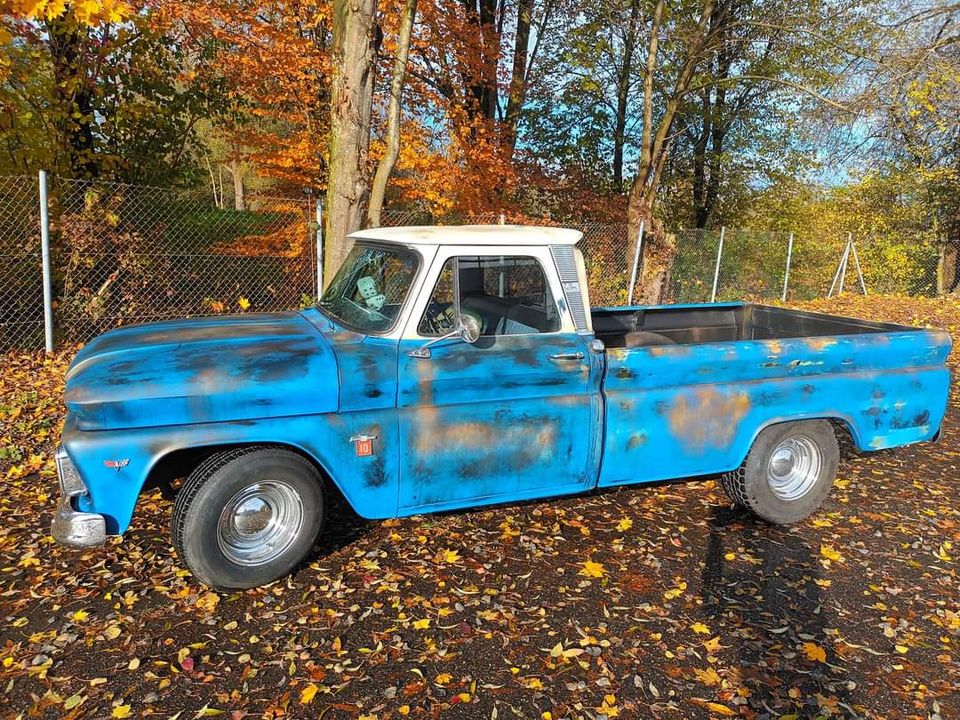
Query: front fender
[115, 464]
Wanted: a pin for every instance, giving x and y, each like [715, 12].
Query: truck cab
[511, 410]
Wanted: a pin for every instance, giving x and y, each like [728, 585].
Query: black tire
[216, 483]
[754, 486]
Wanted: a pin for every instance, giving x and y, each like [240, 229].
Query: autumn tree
[688, 52]
[916, 117]
[351, 99]
[392, 139]
[273, 58]
[104, 94]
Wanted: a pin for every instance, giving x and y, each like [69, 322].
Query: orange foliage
[465, 172]
[274, 57]
[453, 158]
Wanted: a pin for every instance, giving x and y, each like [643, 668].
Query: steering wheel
[439, 318]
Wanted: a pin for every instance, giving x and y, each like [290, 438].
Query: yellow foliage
[814, 652]
[85, 12]
[592, 569]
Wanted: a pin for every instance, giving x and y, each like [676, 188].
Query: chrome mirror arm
[424, 350]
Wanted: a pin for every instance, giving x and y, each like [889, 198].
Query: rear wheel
[788, 472]
[248, 516]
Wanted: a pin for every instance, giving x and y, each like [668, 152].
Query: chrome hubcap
[794, 467]
[260, 523]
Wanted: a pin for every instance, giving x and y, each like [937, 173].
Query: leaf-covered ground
[647, 602]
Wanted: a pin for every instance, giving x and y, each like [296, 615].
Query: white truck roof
[471, 235]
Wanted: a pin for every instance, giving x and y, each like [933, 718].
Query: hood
[229, 368]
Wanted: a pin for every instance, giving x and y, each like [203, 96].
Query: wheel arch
[839, 421]
[176, 462]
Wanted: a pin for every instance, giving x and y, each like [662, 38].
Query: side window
[508, 295]
[438, 317]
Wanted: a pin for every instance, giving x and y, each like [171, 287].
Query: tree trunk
[623, 92]
[389, 159]
[236, 170]
[351, 99]
[700, 145]
[656, 262]
[659, 249]
[74, 95]
[949, 270]
[491, 48]
[482, 86]
[518, 78]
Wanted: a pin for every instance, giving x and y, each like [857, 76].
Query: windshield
[369, 289]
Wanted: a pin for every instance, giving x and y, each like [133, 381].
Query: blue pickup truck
[452, 367]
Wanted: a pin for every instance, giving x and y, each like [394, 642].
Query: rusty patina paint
[701, 410]
[707, 417]
[502, 420]
[495, 420]
[820, 343]
[669, 350]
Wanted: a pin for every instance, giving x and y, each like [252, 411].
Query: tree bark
[659, 249]
[717, 122]
[483, 87]
[385, 167]
[949, 270]
[351, 99]
[518, 78]
[236, 172]
[700, 144]
[623, 95]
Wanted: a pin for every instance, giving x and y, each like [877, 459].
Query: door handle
[564, 357]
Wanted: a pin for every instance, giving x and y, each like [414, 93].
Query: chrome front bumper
[73, 527]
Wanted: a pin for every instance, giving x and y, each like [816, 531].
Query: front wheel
[788, 472]
[246, 517]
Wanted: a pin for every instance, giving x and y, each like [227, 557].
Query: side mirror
[468, 330]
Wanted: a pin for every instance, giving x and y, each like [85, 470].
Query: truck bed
[688, 388]
[691, 324]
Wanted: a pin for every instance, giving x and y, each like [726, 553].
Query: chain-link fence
[21, 276]
[126, 254]
[753, 265]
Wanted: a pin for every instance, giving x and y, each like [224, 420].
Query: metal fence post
[716, 270]
[636, 265]
[856, 260]
[786, 274]
[319, 240]
[841, 269]
[846, 259]
[45, 261]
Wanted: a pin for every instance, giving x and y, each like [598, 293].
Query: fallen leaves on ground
[646, 602]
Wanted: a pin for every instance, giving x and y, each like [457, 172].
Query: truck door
[515, 415]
